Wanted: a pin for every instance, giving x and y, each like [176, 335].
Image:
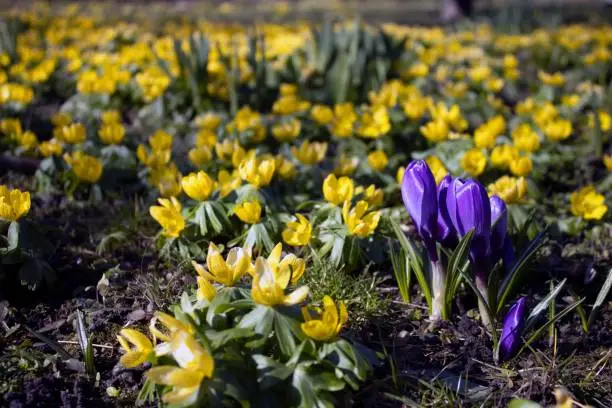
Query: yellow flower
[545, 114]
[484, 137]
[10, 127]
[160, 141]
[298, 232]
[556, 79]
[287, 131]
[27, 140]
[510, 189]
[503, 155]
[269, 284]
[474, 162]
[199, 156]
[521, 166]
[452, 117]
[285, 168]
[170, 325]
[155, 160]
[309, 153]
[111, 133]
[338, 190]
[206, 291]
[169, 216]
[61, 119]
[558, 130]
[322, 115]
[436, 166]
[324, 325]
[205, 137]
[208, 121]
[248, 211]
[198, 186]
[346, 165]
[86, 168]
[399, 175]
[435, 131]
[526, 139]
[357, 222]
[289, 264]
[14, 204]
[344, 119]
[415, 107]
[167, 180]
[143, 348]
[372, 195]
[374, 123]
[246, 119]
[378, 160]
[50, 148]
[224, 271]
[257, 172]
[605, 121]
[110, 116]
[228, 182]
[607, 160]
[570, 100]
[71, 134]
[225, 149]
[195, 364]
[588, 204]
[153, 81]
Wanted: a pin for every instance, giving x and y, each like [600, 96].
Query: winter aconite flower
[378, 160]
[87, 168]
[72, 134]
[358, 222]
[143, 348]
[248, 211]
[510, 189]
[224, 271]
[437, 167]
[588, 204]
[324, 324]
[338, 190]
[14, 204]
[298, 232]
[310, 153]
[257, 172]
[168, 215]
[198, 186]
[270, 282]
[194, 365]
[474, 162]
[111, 133]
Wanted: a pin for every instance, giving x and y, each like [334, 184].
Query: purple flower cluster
[447, 212]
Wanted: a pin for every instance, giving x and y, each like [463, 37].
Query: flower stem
[438, 286]
[481, 285]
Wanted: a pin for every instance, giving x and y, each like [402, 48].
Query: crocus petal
[420, 196]
[511, 334]
[446, 234]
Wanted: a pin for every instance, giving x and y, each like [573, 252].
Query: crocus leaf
[415, 260]
[454, 268]
[601, 297]
[543, 305]
[510, 283]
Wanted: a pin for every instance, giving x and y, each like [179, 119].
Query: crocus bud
[446, 233]
[512, 329]
[468, 208]
[420, 197]
[499, 225]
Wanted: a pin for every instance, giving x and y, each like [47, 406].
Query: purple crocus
[499, 226]
[469, 209]
[512, 329]
[420, 197]
[446, 235]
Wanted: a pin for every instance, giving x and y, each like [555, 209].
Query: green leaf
[13, 236]
[415, 260]
[270, 371]
[200, 219]
[510, 283]
[543, 305]
[221, 338]
[401, 270]
[601, 297]
[285, 328]
[260, 319]
[454, 271]
[541, 330]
